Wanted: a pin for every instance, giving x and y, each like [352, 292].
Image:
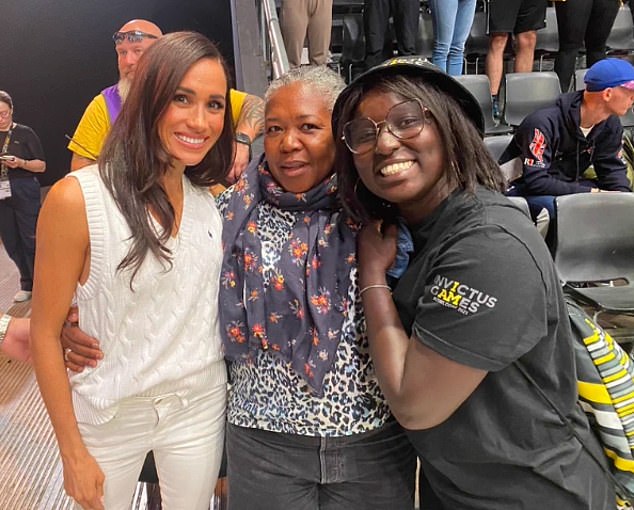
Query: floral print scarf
[295, 310]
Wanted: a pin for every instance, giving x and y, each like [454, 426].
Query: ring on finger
[66, 351]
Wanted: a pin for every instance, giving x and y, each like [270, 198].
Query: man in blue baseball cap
[609, 73]
[557, 144]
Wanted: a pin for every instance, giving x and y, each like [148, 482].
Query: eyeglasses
[5, 114]
[404, 120]
[133, 36]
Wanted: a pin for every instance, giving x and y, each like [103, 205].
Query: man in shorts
[522, 18]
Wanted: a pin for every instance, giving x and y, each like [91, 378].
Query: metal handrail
[279, 60]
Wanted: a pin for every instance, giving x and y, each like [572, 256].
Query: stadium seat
[522, 204]
[621, 39]
[594, 249]
[477, 44]
[528, 92]
[547, 38]
[542, 221]
[579, 75]
[425, 36]
[353, 42]
[497, 144]
[478, 85]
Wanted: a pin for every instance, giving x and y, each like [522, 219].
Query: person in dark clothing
[582, 23]
[21, 158]
[376, 14]
[477, 319]
[557, 144]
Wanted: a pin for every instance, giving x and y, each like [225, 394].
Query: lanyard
[4, 170]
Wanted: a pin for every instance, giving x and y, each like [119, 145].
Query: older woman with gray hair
[308, 425]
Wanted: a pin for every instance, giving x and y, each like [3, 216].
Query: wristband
[5, 320]
[376, 286]
[243, 138]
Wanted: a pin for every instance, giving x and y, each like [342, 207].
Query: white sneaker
[22, 295]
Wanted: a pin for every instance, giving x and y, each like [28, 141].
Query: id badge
[5, 189]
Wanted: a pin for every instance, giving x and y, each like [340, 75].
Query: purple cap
[609, 72]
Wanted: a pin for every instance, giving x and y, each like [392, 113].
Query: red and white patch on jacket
[538, 145]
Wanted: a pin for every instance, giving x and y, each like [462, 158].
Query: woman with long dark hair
[137, 239]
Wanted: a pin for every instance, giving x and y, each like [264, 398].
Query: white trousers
[186, 435]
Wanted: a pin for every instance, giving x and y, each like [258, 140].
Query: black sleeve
[33, 145]
[610, 169]
[484, 301]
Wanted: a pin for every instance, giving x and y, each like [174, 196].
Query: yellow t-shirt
[92, 130]
[237, 100]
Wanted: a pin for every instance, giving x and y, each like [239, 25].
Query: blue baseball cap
[609, 72]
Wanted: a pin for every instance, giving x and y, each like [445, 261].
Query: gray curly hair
[323, 79]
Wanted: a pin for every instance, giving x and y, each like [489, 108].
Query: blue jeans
[274, 471]
[452, 20]
[18, 217]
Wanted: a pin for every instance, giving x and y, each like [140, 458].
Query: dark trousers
[376, 14]
[275, 471]
[18, 217]
[579, 23]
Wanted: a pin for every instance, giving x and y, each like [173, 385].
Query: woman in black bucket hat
[472, 342]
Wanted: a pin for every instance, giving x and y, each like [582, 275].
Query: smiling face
[298, 139]
[194, 119]
[409, 173]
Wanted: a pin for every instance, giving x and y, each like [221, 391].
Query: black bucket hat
[421, 67]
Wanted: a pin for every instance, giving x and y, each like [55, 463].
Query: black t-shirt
[24, 144]
[482, 290]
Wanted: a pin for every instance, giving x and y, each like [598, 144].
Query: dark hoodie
[555, 153]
